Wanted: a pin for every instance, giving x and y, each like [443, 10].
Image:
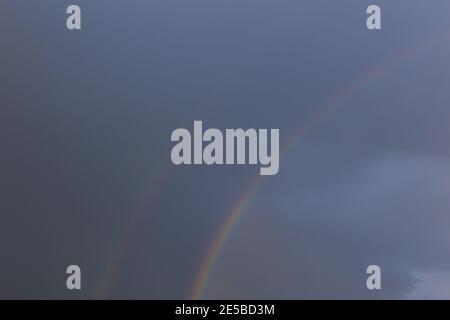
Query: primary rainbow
[218, 243]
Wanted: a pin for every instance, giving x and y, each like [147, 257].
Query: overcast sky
[86, 175]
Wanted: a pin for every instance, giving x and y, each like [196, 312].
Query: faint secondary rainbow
[114, 262]
[232, 218]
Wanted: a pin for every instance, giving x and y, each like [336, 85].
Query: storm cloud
[86, 176]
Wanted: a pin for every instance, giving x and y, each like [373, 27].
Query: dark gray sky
[85, 124]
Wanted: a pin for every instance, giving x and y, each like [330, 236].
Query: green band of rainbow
[216, 247]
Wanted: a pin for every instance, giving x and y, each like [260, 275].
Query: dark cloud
[318, 243]
[85, 122]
